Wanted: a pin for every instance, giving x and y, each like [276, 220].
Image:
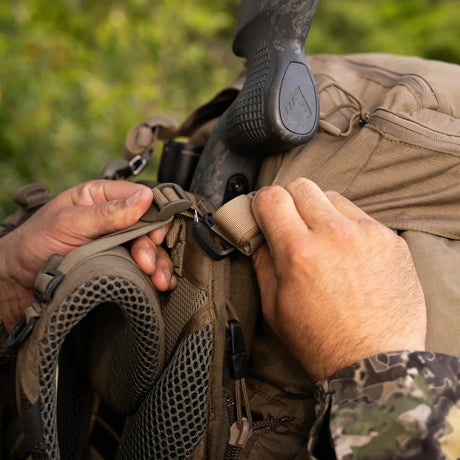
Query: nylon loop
[235, 223]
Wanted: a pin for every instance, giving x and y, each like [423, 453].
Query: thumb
[99, 219]
[266, 279]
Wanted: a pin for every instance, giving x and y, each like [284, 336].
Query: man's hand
[73, 218]
[336, 285]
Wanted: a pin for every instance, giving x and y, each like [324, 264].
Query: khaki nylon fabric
[437, 261]
[402, 166]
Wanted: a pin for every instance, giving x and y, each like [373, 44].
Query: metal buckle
[138, 163]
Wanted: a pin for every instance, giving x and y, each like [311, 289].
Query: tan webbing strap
[235, 223]
[144, 136]
[140, 144]
[30, 198]
[173, 201]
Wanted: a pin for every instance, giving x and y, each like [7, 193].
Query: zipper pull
[237, 361]
[239, 435]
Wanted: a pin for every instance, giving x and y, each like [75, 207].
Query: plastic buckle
[55, 281]
[174, 206]
[21, 331]
[211, 249]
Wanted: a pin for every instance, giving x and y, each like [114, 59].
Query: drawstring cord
[240, 389]
[354, 103]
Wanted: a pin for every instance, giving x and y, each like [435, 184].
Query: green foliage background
[75, 75]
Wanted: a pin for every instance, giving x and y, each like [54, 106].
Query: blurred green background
[75, 75]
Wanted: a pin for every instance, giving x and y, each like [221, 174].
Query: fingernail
[132, 200]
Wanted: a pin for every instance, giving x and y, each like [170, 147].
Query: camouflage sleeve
[394, 405]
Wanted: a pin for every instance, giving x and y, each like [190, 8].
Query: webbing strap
[169, 200]
[30, 198]
[144, 136]
[235, 223]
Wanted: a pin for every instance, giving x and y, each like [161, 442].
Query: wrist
[3, 258]
[9, 253]
[14, 298]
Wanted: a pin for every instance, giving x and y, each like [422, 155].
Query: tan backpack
[389, 139]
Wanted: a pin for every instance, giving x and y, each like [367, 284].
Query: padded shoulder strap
[169, 200]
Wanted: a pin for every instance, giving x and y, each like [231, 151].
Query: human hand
[336, 285]
[73, 218]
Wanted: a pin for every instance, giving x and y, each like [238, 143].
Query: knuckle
[333, 196]
[84, 193]
[298, 255]
[266, 196]
[110, 208]
[339, 230]
[371, 226]
[299, 182]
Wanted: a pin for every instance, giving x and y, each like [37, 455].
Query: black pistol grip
[278, 106]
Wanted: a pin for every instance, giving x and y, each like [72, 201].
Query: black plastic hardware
[21, 331]
[178, 162]
[201, 234]
[237, 359]
[55, 281]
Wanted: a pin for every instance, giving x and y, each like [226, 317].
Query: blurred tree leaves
[75, 75]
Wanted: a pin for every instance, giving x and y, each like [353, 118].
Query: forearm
[394, 404]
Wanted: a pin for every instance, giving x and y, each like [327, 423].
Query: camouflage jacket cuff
[400, 403]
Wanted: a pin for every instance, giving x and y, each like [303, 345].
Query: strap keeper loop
[21, 331]
[47, 293]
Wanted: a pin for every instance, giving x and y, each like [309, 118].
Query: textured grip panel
[246, 122]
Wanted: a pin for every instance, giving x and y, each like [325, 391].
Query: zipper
[413, 133]
[233, 452]
[414, 82]
[242, 428]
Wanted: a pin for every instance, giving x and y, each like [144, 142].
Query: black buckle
[21, 331]
[55, 281]
[211, 249]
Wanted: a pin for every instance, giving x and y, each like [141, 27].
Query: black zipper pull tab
[237, 359]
